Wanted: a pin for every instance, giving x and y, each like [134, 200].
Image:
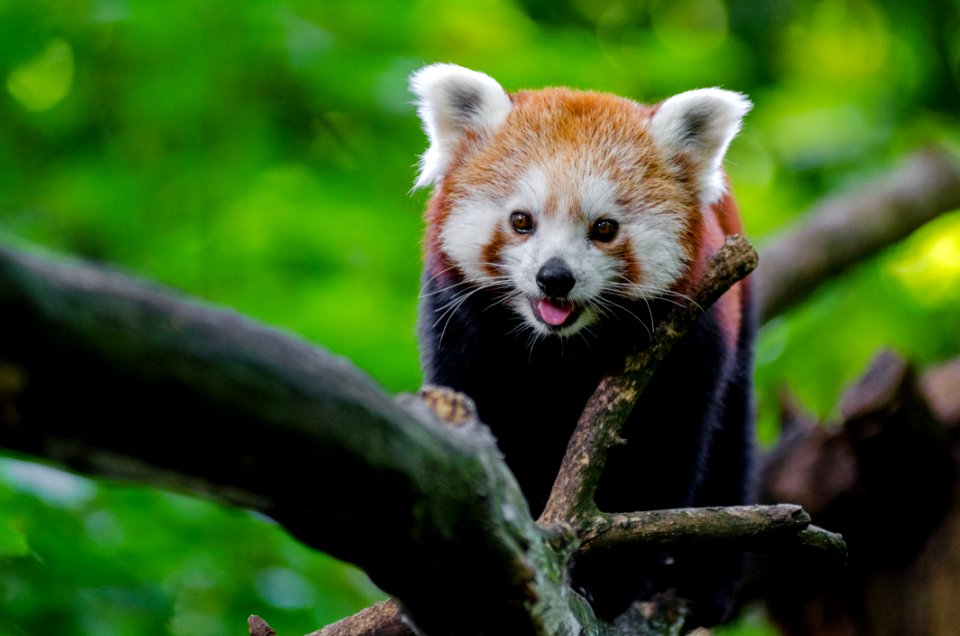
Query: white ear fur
[700, 125]
[451, 101]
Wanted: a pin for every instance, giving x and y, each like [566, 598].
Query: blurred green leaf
[13, 542]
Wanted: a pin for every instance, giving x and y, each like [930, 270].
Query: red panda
[562, 225]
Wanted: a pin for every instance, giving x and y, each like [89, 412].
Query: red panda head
[568, 203]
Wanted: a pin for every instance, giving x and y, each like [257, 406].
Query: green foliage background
[260, 155]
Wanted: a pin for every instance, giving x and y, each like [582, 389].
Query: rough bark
[175, 393]
[734, 526]
[382, 619]
[117, 378]
[259, 627]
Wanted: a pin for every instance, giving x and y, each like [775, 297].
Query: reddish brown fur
[719, 221]
[629, 267]
[558, 124]
[438, 264]
[491, 253]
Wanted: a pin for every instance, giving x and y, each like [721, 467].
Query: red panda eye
[604, 230]
[522, 222]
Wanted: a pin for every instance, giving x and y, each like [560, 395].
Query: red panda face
[568, 205]
[561, 235]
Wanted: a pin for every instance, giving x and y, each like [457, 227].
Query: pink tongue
[554, 314]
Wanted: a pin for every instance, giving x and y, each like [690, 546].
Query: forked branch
[602, 419]
[93, 345]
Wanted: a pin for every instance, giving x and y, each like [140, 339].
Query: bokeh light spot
[43, 82]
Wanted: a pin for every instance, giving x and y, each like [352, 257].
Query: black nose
[555, 278]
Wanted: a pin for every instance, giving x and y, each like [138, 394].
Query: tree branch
[146, 370]
[259, 627]
[381, 619]
[177, 394]
[848, 228]
[779, 528]
[718, 526]
[117, 378]
[607, 409]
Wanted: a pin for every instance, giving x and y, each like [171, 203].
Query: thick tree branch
[848, 228]
[177, 394]
[180, 395]
[117, 378]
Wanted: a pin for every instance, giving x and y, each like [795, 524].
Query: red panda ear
[452, 101]
[699, 125]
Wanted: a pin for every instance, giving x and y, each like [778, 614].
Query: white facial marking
[655, 238]
[531, 193]
[471, 225]
[598, 197]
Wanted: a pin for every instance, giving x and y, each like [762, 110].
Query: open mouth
[555, 312]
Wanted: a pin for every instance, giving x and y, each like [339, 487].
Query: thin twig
[820, 544]
[381, 619]
[259, 627]
[733, 525]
